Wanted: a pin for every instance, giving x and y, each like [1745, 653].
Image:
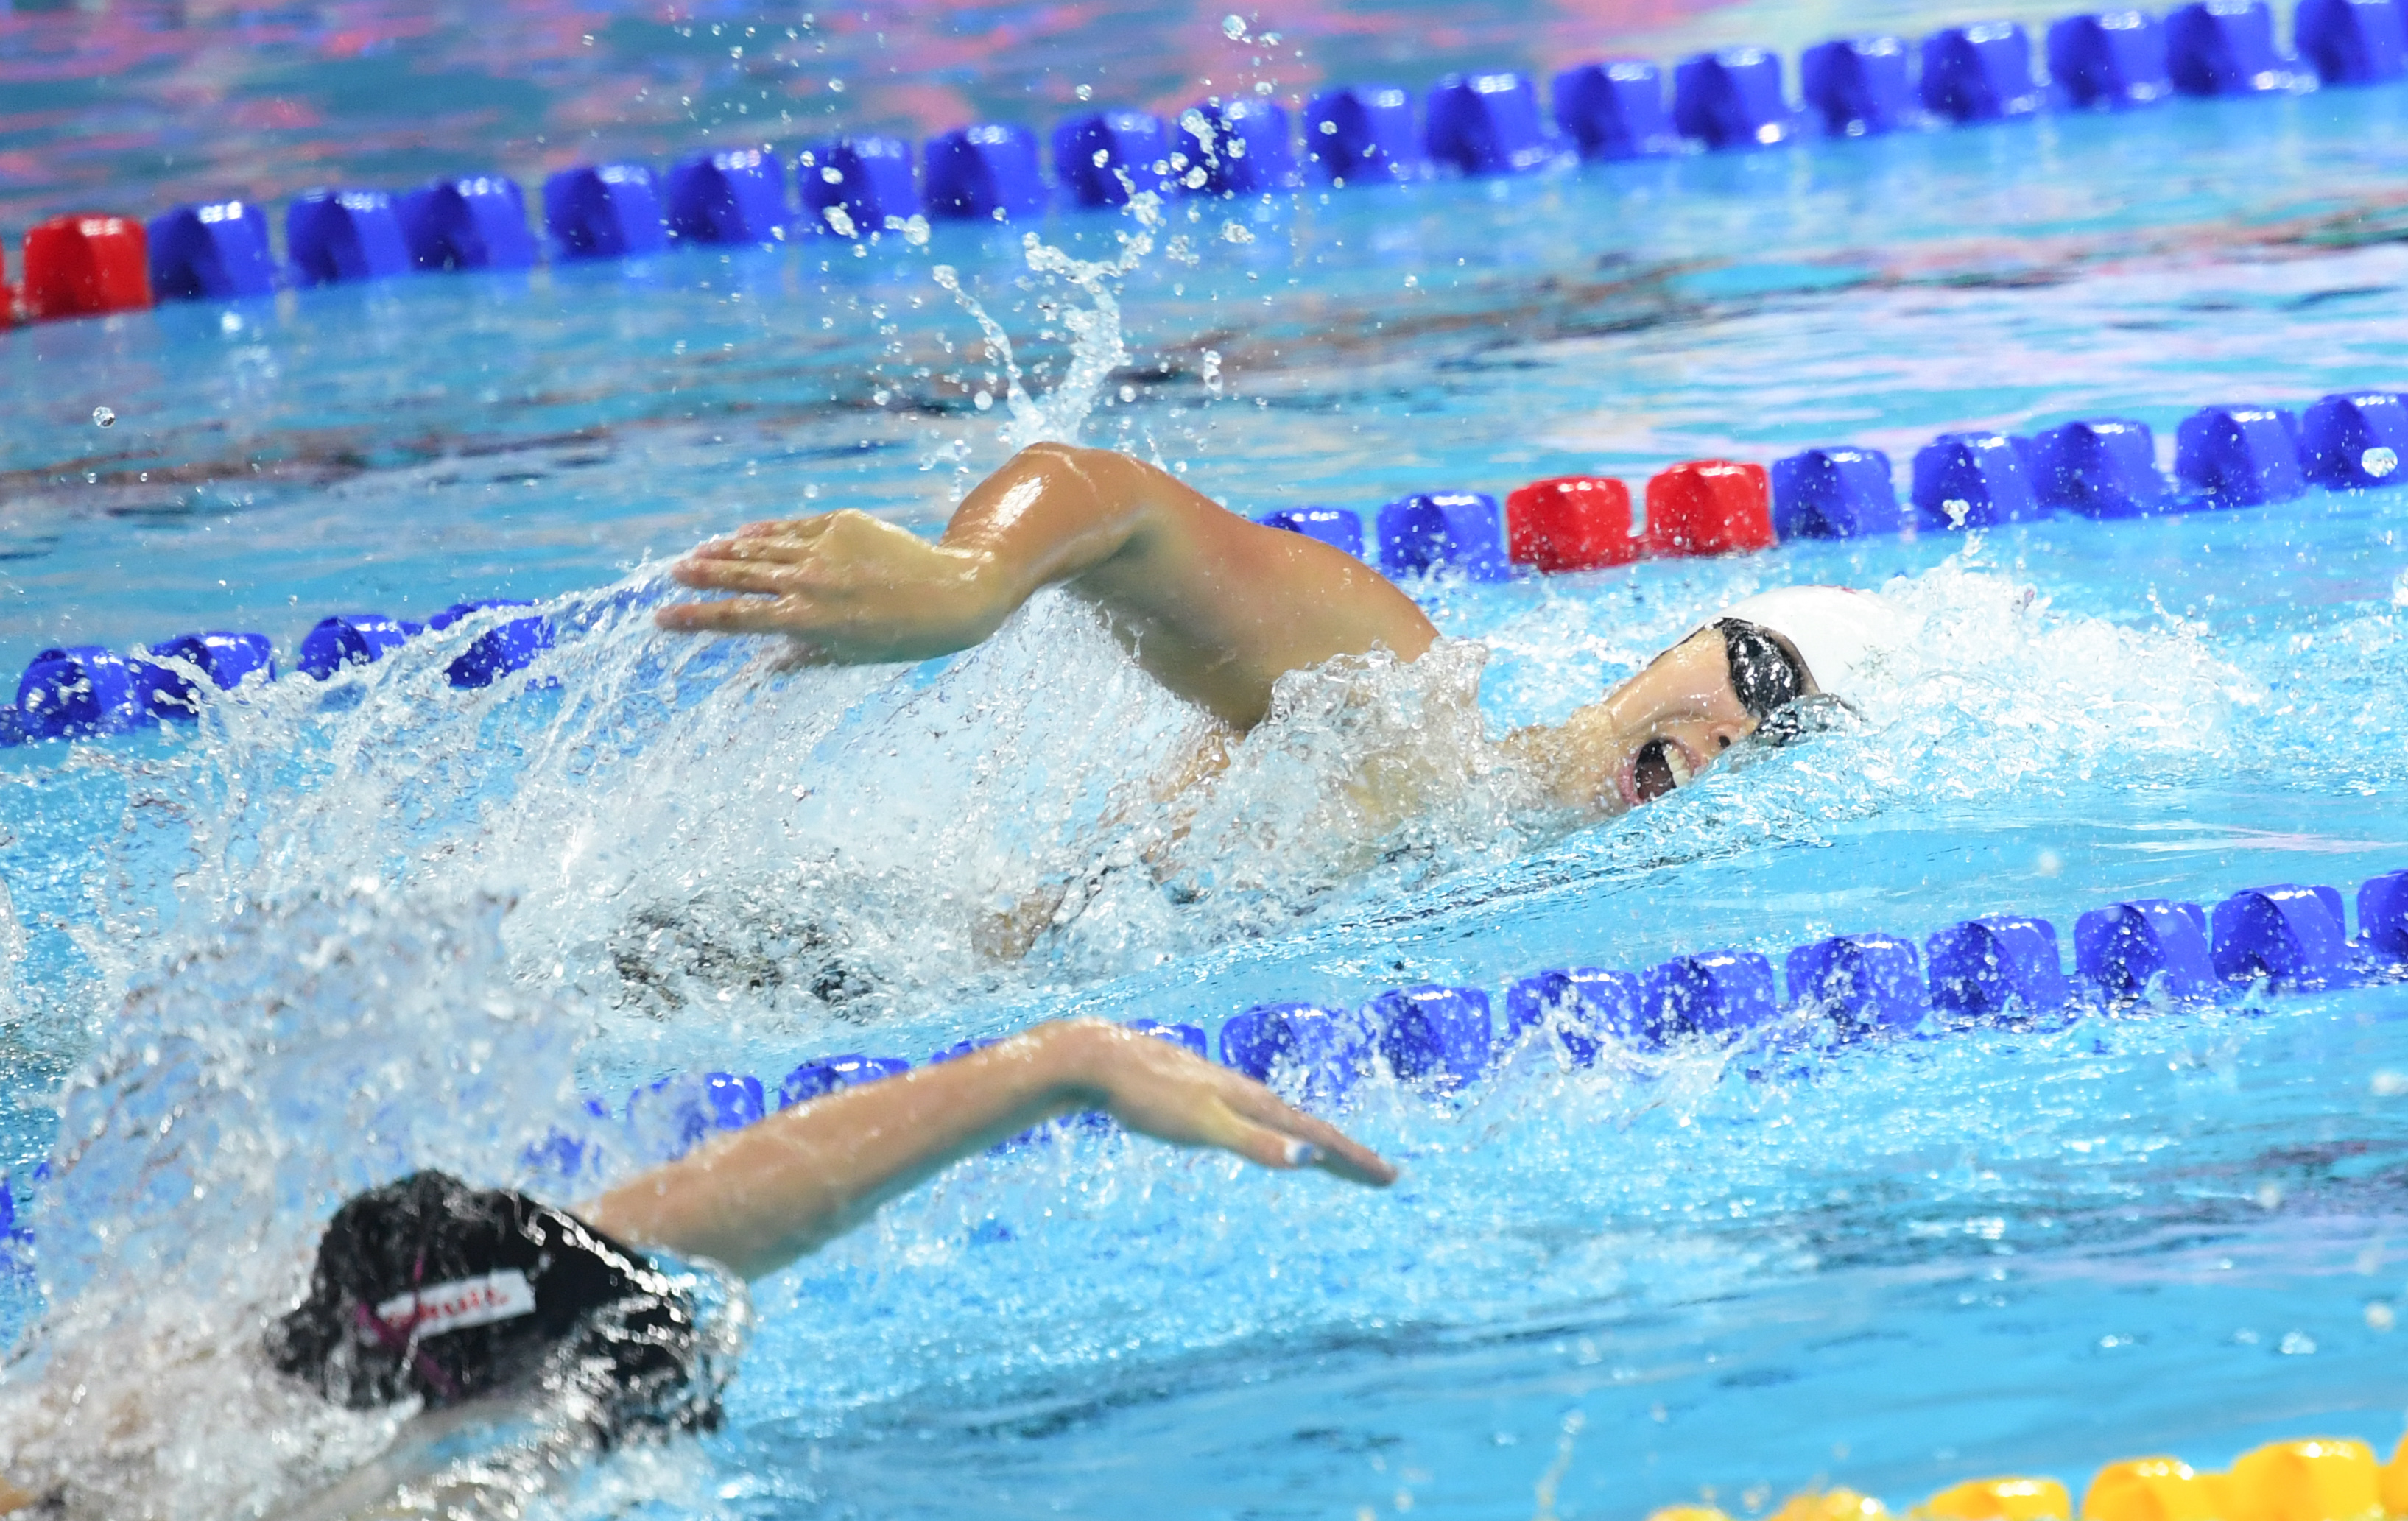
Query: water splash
[1098, 347]
[245, 1088]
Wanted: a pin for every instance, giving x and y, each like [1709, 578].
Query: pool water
[381, 923]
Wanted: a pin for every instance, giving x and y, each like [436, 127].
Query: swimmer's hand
[850, 589]
[1162, 1091]
[758, 1198]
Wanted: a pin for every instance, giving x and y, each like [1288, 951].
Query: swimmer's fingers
[1333, 1150]
[1159, 1091]
[735, 615]
[740, 576]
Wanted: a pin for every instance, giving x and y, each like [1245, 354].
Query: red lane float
[83, 266]
[1709, 507]
[1571, 523]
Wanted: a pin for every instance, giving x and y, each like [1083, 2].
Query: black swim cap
[1763, 674]
[429, 1287]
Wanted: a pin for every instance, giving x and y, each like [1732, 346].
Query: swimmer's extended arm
[1215, 608]
[760, 1197]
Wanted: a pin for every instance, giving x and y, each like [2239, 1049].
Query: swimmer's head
[1750, 671]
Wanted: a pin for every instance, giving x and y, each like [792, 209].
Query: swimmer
[1218, 609]
[430, 1290]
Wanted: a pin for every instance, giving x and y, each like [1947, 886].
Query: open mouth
[1661, 766]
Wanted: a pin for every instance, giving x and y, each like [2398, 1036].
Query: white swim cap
[1840, 633]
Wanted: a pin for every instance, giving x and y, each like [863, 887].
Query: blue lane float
[2104, 468]
[1439, 532]
[857, 185]
[1188, 1038]
[214, 252]
[683, 1112]
[1834, 493]
[224, 661]
[2352, 41]
[1102, 158]
[2224, 47]
[2293, 936]
[1614, 109]
[1972, 480]
[507, 646]
[984, 172]
[1996, 967]
[1980, 73]
[1587, 1006]
[1340, 528]
[2115, 60]
[605, 211]
[337, 236]
[1715, 995]
[1732, 98]
[1238, 148]
[830, 1073]
[2383, 913]
[2129, 948]
[2353, 440]
[1870, 983]
[75, 691]
[1488, 124]
[1857, 87]
[2240, 456]
[1432, 1035]
[734, 196]
[1313, 1051]
[478, 221]
[1361, 133]
[350, 639]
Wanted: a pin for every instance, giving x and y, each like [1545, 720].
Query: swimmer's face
[1666, 725]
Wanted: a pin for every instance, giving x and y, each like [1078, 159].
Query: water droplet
[2297, 1345]
[104, 416]
[1085, 91]
[832, 174]
[984, 400]
[1233, 27]
[1128, 393]
[2379, 1316]
[2378, 461]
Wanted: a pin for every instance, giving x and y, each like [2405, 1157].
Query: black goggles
[1763, 675]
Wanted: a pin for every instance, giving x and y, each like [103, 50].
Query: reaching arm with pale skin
[758, 1198]
[1212, 606]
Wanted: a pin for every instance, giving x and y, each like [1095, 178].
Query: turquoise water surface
[380, 922]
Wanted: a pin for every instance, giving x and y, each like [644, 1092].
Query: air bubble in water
[1128, 393]
[1233, 27]
[104, 416]
[1085, 91]
[984, 400]
[2378, 461]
